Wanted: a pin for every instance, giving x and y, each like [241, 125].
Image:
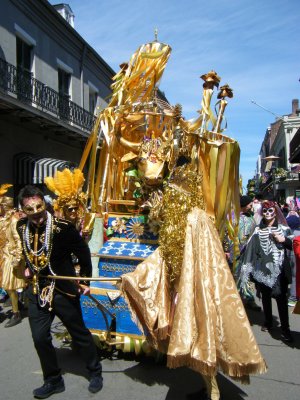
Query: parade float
[136, 143]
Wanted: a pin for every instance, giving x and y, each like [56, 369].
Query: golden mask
[34, 207]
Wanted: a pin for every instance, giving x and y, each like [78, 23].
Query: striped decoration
[31, 169]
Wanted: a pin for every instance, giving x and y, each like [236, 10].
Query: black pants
[282, 304]
[68, 310]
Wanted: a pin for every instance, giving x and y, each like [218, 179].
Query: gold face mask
[34, 207]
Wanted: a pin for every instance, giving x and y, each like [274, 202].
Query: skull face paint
[269, 213]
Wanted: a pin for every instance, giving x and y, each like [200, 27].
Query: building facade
[277, 172]
[52, 84]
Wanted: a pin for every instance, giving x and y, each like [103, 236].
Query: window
[23, 55]
[93, 97]
[64, 79]
[92, 101]
[23, 73]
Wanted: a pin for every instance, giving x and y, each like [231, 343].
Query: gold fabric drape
[204, 325]
[11, 261]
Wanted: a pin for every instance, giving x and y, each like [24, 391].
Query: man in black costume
[48, 243]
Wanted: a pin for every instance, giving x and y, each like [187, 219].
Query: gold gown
[11, 262]
[202, 324]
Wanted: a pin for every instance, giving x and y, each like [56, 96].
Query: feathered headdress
[67, 186]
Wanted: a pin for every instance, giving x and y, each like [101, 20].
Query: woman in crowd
[266, 261]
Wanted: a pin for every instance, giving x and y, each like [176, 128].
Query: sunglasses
[72, 209]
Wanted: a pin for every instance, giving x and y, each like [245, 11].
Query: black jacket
[66, 240]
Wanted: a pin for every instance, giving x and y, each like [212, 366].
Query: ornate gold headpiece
[67, 185]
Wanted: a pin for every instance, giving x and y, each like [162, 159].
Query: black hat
[245, 200]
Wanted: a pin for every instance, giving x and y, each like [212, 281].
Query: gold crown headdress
[67, 186]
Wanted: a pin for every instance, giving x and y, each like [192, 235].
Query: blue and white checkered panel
[127, 249]
[133, 254]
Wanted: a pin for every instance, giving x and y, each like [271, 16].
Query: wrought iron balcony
[29, 90]
[292, 176]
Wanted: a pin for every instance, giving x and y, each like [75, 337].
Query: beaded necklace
[39, 259]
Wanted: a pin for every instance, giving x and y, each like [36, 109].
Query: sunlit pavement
[144, 379]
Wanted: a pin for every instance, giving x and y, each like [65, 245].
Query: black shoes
[57, 385]
[96, 384]
[49, 388]
[286, 336]
[15, 319]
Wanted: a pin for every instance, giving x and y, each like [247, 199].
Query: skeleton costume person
[265, 260]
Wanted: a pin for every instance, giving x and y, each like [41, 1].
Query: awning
[32, 169]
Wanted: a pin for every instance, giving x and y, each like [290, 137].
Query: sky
[253, 45]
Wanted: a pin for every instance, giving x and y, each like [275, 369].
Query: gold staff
[80, 278]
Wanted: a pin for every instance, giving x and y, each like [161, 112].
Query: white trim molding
[64, 66]
[93, 87]
[24, 36]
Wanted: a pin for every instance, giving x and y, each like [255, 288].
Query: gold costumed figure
[70, 203]
[183, 175]
[11, 260]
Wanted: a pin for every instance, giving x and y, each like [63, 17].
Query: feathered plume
[67, 185]
[4, 188]
[65, 182]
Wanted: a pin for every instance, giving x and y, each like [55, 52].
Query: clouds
[254, 46]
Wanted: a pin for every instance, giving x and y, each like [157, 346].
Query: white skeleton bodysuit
[263, 257]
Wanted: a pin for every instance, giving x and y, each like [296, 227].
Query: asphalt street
[145, 379]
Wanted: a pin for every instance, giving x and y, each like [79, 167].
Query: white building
[277, 143]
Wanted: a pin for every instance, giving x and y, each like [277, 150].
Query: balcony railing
[31, 91]
[292, 176]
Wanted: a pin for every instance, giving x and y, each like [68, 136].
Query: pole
[274, 182]
[80, 278]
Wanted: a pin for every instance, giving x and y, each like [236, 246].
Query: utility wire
[258, 105]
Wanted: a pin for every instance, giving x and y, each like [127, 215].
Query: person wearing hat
[246, 227]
